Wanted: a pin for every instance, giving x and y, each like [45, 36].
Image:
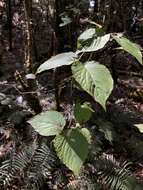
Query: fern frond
[34, 163]
[5, 178]
[13, 167]
[114, 175]
[42, 164]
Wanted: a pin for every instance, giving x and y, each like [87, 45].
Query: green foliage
[48, 123]
[108, 174]
[97, 44]
[38, 162]
[86, 38]
[82, 112]
[10, 167]
[87, 34]
[42, 163]
[95, 79]
[72, 148]
[57, 61]
[34, 162]
[71, 145]
[115, 175]
[130, 47]
[66, 143]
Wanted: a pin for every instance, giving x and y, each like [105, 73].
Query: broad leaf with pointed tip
[57, 61]
[97, 44]
[48, 123]
[95, 79]
[130, 47]
[72, 148]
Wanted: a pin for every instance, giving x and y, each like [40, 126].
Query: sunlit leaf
[87, 134]
[97, 44]
[48, 123]
[130, 47]
[72, 148]
[95, 79]
[57, 61]
[140, 127]
[87, 34]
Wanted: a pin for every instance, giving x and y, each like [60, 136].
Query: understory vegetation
[71, 95]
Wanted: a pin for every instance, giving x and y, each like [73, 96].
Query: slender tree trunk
[30, 86]
[110, 19]
[28, 34]
[142, 7]
[58, 42]
[57, 48]
[9, 20]
[54, 9]
[96, 6]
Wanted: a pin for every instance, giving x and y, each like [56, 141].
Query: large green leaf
[57, 61]
[130, 47]
[82, 112]
[95, 79]
[72, 148]
[97, 44]
[48, 123]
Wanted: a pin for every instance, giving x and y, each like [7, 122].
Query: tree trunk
[28, 34]
[30, 87]
[9, 21]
